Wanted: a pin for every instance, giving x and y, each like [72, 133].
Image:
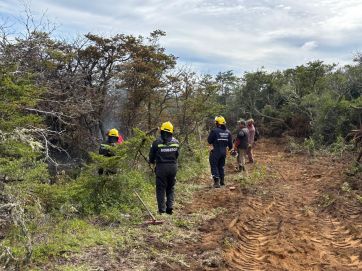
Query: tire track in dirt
[252, 235]
[277, 225]
[283, 230]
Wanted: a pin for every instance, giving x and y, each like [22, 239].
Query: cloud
[309, 45]
[215, 35]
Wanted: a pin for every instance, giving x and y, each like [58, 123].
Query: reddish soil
[288, 221]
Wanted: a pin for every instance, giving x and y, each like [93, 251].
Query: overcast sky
[219, 35]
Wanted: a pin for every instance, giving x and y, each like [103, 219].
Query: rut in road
[283, 230]
[278, 225]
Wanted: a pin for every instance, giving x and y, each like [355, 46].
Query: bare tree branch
[58, 115]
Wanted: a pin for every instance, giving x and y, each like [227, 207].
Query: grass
[64, 239]
[229, 242]
[345, 187]
[70, 238]
[73, 236]
[253, 176]
[72, 267]
[327, 200]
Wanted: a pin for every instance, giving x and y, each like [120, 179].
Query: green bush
[310, 145]
[340, 146]
[70, 236]
[98, 193]
[112, 195]
[293, 146]
[61, 210]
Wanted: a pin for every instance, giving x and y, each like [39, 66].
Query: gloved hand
[233, 153]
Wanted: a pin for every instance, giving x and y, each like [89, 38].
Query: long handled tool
[149, 222]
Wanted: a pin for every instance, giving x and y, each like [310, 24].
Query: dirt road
[284, 222]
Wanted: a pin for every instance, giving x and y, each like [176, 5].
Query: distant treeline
[95, 82]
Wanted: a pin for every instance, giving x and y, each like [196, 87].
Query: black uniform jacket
[220, 139]
[164, 152]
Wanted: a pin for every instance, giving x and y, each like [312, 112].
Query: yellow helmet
[113, 132]
[167, 127]
[220, 120]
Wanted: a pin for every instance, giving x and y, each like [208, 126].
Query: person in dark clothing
[164, 153]
[105, 150]
[241, 144]
[219, 139]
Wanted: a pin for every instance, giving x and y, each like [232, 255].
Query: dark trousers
[165, 186]
[217, 163]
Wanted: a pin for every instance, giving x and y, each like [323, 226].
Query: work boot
[216, 182]
[169, 211]
[161, 212]
[241, 168]
[222, 183]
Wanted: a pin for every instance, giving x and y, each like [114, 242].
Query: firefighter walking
[219, 139]
[164, 153]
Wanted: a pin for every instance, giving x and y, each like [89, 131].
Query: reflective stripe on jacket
[162, 152]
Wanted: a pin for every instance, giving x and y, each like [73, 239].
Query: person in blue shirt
[219, 139]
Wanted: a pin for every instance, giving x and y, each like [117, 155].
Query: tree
[22, 155]
[20, 147]
[144, 78]
[227, 82]
[195, 101]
